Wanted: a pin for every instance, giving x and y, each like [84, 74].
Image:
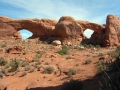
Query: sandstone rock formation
[112, 33]
[67, 29]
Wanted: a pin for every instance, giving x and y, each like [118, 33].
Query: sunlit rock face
[66, 29]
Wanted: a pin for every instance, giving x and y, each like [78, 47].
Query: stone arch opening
[25, 33]
[88, 33]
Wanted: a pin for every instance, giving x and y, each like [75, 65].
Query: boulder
[56, 42]
[15, 50]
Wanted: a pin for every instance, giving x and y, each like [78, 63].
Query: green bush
[64, 50]
[37, 56]
[24, 53]
[46, 63]
[32, 70]
[49, 70]
[38, 63]
[69, 57]
[1, 74]
[87, 61]
[88, 45]
[73, 85]
[27, 67]
[23, 74]
[71, 72]
[2, 61]
[14, 64]
[3, 70]
[24, 63]
[114, 54]
[3, 45]
[102, 66]
[44, 42]
[98, 46]
[38, 42]
[6, 65]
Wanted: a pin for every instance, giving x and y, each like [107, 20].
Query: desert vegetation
[69, 65]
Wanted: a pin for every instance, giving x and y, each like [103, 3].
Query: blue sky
[90, 10]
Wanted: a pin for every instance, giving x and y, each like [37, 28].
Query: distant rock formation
[67, 29]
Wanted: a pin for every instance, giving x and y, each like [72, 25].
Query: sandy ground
[75, 60]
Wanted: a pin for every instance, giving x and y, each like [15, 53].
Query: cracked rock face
[67, 29]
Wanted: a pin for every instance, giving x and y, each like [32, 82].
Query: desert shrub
[73, 85]
[112, 78]
[23, 74]
[3, 45]
[1, 50]
[64, 50]
[85, 45]
[3, 70]
[98, 46]
[18, 70]
[115, 66]
[35, 59]
[102, 66]
[27, 67]
[118, 49]
[76, 47]
[28, 42]
[37, 56]
[1, 74]
[39, 52]
[44, 42]
[7, 65]
[32, 70]
[87, 61]
[14, 64]
[71, 72]
[38, 42]
[88, 45]
[69, 57]
[49, 69]
[24, 53]
[114, 54]
[100, 54]
[38, 63]
[46, 63]
[24, 63]
[2, 61]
